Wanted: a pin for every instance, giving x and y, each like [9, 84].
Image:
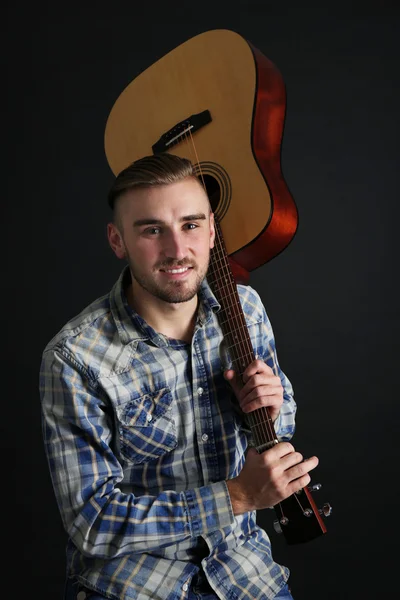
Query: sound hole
[218, 186]
[213, 191]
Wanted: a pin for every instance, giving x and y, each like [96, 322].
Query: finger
[303, 480]
[281, 449]
[252, 451]
[298, 484]
[229, 374]
[259, 380]
[257, 366]
[311, 463]
[273, 403]
[290, 461]
[300, 469]
[261, 396]
[234, 381]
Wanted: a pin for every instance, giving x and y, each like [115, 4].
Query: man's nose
[174, 246]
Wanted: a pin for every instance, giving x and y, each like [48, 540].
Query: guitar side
[267, 133]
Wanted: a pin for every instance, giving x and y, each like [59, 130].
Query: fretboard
[236, 334]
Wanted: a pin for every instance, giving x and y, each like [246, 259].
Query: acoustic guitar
[218, 101]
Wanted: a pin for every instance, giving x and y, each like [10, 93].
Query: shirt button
[185, 587]
[200, 391]
[149, 418]
[204, 437]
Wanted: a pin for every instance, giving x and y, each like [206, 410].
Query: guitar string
[219, 258]
[238, 316]
[247, 351]
[260, 426]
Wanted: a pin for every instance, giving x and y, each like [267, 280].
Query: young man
[151, 462]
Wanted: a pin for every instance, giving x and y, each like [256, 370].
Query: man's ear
[212, 230]
[115, 240]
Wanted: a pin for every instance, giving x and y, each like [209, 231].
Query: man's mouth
[177, 270]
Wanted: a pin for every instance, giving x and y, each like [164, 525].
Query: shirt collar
[132, 327]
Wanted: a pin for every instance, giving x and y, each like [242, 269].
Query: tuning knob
[277, 527]
[326, 510]
[277, 524]
[314, 488]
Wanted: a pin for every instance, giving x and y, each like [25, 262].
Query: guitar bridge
[178, 132]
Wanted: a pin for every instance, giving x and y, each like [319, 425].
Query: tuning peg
[277, 527]
[326, 510]
[314, 488]
[277, 524]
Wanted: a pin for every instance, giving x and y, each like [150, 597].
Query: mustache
[174, 264]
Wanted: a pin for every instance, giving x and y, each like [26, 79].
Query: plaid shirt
[141, 433]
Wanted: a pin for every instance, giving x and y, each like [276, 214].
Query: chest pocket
[146, 427]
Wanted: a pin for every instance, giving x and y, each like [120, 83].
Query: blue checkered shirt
[141, 433]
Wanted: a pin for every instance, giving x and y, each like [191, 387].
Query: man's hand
[260, 387]
[270, 477]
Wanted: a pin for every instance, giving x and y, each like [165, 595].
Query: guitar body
[238, 151]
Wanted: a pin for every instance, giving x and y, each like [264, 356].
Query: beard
[172, 292]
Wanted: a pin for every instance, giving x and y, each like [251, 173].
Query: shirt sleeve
[85, 472]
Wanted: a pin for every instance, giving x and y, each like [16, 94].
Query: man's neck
[175, 321]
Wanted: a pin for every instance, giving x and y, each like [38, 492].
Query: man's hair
[149, 171]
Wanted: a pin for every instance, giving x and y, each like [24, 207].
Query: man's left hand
[260, 387]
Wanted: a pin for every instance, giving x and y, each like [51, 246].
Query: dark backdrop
[330, 294]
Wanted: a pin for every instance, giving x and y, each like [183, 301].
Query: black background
[330, 295]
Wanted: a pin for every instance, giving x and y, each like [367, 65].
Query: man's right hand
[270, 477]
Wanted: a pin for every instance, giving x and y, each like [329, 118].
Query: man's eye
[152, 230]
[191, 225]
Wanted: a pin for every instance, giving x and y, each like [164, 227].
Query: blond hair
[149, 171]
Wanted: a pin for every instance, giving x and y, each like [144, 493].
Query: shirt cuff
[208, 508]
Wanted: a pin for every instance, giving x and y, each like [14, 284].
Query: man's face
[167, 234]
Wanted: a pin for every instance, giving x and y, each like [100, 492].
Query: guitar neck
[298, 517]
[234, 328]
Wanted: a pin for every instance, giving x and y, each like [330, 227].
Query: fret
[239, 326]
[236, 345]
[227, 295]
